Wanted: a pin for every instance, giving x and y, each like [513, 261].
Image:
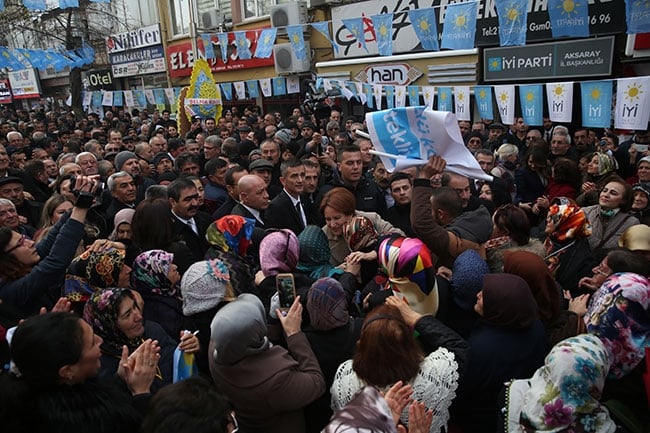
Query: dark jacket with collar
[369, 196]
[197, 243]
[239, 209]
[282, 214]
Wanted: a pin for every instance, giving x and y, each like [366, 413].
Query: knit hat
[467, 278]
[239, 330]
[122, 157]
[167, 176]
[643, 187]
[205, 285]
[327, 304]
[644, 159]
[159, 157]
[284, 135]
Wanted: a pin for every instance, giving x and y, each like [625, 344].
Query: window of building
[258, 8]
[180, 17]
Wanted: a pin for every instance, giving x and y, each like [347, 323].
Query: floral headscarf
[91, 271]
[563, 394]
[566, 222]
[231, 233]
[407, 263]
[101, 313]
[360, 233]
[279, 252]
[618, 314]
[315, 253]
[150, 274]
[606, 163]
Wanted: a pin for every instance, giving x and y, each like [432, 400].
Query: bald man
[253, 199]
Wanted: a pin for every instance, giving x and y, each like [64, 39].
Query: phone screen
[286, 290]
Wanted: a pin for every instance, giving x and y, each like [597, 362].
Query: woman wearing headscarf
[564, 394]
[205, 288]
[600, 166]
[155, 277]
[408, 266]
[267, 384]
[361, 237]
[116, 316]
[641, 202]
[333, 336]
[122, 224]
[388, 352]
[229, 238]
[618, 315]
[507, 342]
[567, 247]
[314, 258]
[93, 271]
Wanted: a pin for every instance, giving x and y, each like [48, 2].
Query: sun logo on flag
[595, 93]
[558, 91]
[383, 30]
[296, 39]
[530, 97]
[513, 13]
[482, 94]
[503, 97]
[633, 91]
[427, 95]
[424, 25]
[569, 7]
[443, 96]
[460, 21]
[460, 96]
[267, 39]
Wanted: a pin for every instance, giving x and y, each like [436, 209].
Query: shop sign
[139, 38]
[604, 19]
[180, 58]
[101, 79]
[398, 74]
[5, 92]
[577, 58]
[24, 84]
[150, 60]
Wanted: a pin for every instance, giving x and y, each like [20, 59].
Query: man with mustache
[189, 223]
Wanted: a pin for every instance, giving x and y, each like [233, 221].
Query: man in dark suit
[232, 186]
[286, 211]
[189, 223]
[253, 199]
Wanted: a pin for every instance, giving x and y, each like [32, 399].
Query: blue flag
[279, 86]
[569, 18]
[390, 95]
[444, 99]
[208, 49]
[8, 60]
[2, 5]
[223, 45]
[253, 88]
[265, 42]
[100, 1]
[64, 4]
[424, 24]
[243, 50]
[483, 97]
[513, 16]
[367, 90]
[383, 25]
[532, 106]
[140, 98]
[35, 5]
[118, 98]
[226, 91]
[297, 41]
[159, 96]
[460, 26]
[414, 95]
[97, 99]
[355, 26]
[596, 103]
[324, 29]
[637, 16]
[352, 88]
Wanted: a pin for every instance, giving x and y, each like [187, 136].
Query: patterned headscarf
[407, 263]
[618, 314]
[150, 274]
[533, 269]
[91, 271]
[101, 313]
[231, 233]
[467, 278]
[566, 222]
[327, 304]
[279, 252]
[563, 394]
[315, 253]
[367, 412]
[360, 233]
[606, 163]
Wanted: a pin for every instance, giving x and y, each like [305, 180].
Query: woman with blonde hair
[55, 207]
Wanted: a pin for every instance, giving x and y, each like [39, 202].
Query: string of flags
[632, 103]
[40, 5]
[567, 18]
[19, 58]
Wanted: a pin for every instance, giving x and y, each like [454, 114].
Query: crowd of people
[316, 290]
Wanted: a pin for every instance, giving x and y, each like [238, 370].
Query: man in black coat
[189, 223]
[286, 211]
[253, 199]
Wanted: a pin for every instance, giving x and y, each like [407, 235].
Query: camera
[602, 143]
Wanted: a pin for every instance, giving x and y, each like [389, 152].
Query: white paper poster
[560, 101]
[461, 103]
[632, 103]
[505, 96]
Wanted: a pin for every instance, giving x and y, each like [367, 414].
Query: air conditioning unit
[289, 14]
[286, 61]
[210, 20]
